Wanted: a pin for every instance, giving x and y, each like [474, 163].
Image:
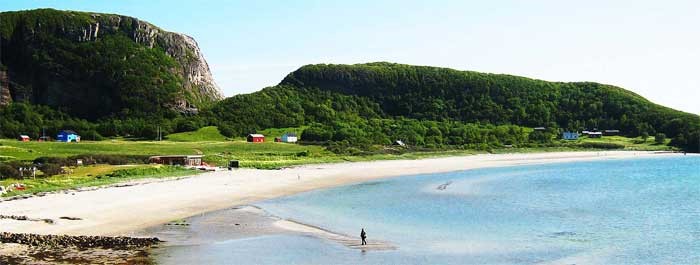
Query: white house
[289, 138]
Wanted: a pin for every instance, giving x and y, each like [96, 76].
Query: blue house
[67, 136]
[289, 138]
[570, 136]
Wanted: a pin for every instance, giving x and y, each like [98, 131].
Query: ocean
[622, 211]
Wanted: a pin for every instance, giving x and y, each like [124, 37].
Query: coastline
[122, 211]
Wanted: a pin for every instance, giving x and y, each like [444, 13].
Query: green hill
[377, 103]
[107, 75]
[209, 133]
[95, 66]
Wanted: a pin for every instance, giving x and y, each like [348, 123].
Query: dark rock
[56, 241]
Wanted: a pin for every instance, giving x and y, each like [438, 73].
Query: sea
[618, 211]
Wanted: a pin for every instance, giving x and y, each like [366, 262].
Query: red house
[23, 138]
[256, 138]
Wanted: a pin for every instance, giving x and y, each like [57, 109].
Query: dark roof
[68, 132]
[176, 156]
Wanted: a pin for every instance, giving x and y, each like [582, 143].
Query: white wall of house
[289, 139]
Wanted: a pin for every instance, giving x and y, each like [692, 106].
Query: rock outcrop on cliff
[94, 65]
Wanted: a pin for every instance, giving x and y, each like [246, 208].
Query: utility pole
[160, 134]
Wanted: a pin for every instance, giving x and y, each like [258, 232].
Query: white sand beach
[123, 210]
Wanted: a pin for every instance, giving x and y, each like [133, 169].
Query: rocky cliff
[94, 65]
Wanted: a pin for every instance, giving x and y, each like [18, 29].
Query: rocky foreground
[36, 240]
[17, 248]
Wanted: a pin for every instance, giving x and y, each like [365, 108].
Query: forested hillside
[433, 93]
[100, 66]
[377, 103]
[107, 75]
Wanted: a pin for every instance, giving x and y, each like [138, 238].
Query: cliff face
[5, 97]
[123, 64]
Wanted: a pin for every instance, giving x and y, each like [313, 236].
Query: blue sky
[650, 47]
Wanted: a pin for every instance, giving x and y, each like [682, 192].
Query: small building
[44, 139]
[255, 138]
[595, 134]
[180, 160]
[570, 136]
[24, 138]
[278, 140]
[289, 138]
[611, 132]
[67, 136]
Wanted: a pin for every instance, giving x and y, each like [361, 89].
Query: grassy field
[259, 155]
[210, 133]
[96, 175]
[636, 144]
[218, 150]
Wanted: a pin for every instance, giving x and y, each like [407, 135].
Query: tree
[644, 135]
[660, 138]
[8, 171]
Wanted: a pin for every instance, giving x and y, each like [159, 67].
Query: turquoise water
[632, 211]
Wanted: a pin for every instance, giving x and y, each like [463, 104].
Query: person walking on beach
[363, 235]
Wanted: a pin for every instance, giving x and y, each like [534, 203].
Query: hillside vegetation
[378, 103]
[114, 76]
[100, 66]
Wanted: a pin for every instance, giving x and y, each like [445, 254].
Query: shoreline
[248, 221]
[122, 211]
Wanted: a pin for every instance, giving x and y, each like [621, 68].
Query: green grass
[210, 133]
[268, 155]
[259, 155]
[96, 175]
[633, 144]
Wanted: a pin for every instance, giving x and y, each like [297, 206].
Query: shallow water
[632, 211]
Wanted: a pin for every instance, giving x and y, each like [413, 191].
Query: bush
[51, 169]
[8, 171]
[644, 136]
[226, 130]
[93, 159]
[540, 137]
[659, 138]
[150, 171]
[111, 159]
[598, 145]
[317, 133]
[62, 161]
